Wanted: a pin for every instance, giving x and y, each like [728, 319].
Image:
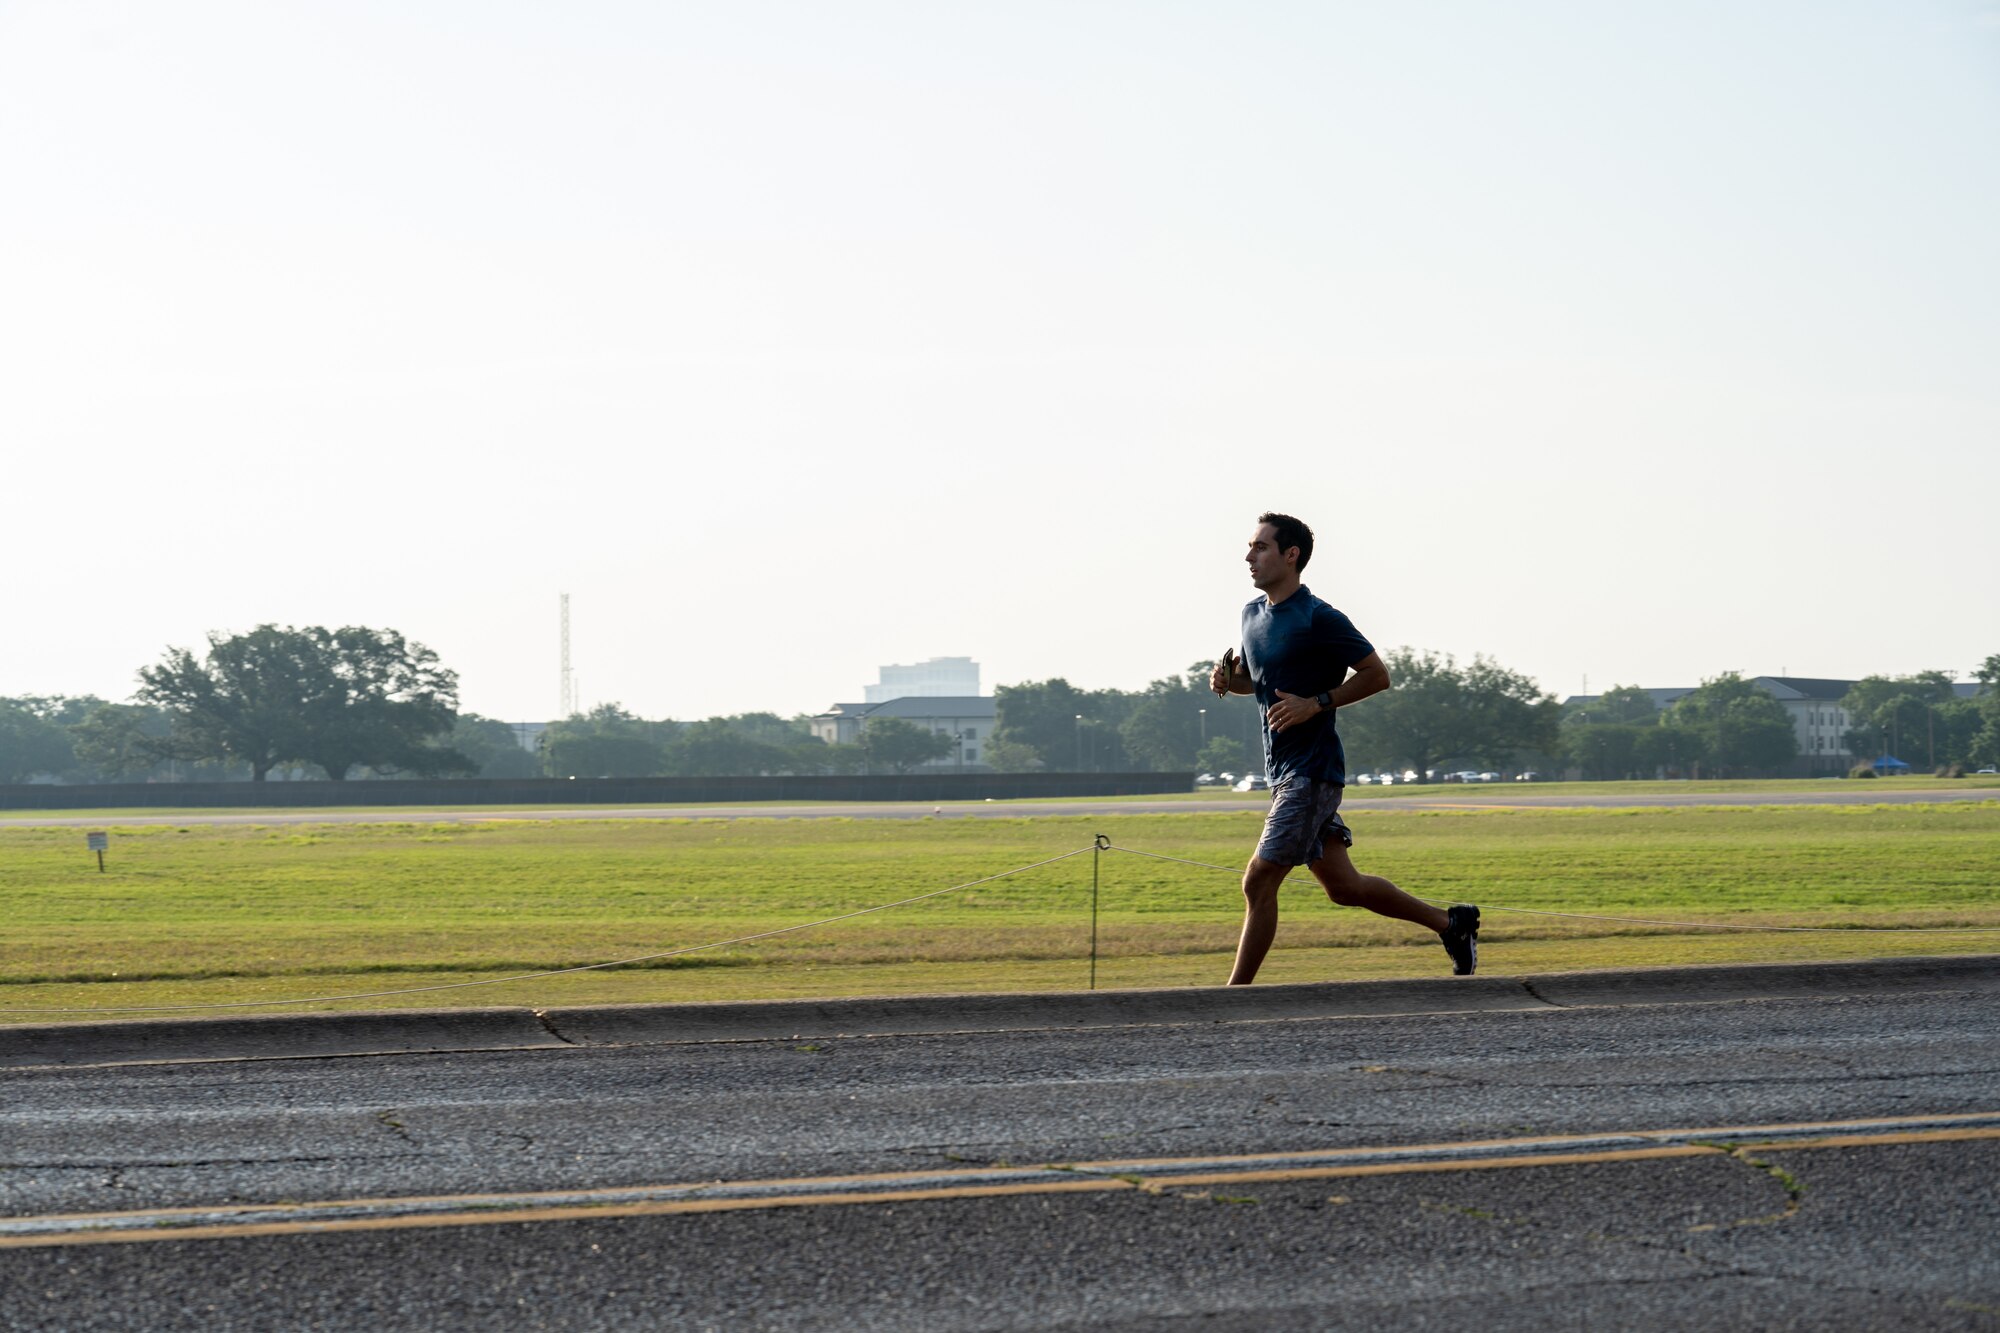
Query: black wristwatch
[1324, 699]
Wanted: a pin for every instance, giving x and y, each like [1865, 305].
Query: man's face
[1268, 565]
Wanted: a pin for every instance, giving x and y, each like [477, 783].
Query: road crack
[1793, 1187]
[542, 1017]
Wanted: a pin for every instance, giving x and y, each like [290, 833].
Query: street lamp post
[1204, 726]
[1079, 742]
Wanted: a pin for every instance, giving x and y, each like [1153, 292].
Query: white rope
[1632, 920]
[552, 972]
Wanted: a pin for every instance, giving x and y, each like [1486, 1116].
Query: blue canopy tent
[1888, 763]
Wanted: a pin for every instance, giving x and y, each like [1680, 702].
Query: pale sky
[1645, 341]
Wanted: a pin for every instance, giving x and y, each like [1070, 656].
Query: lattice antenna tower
[568, 678]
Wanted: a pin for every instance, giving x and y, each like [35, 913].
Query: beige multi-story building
[967, 719]
[1818, 720]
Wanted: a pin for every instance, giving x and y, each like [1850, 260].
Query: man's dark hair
[1291, 532]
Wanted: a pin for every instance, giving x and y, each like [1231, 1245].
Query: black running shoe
[1461, 938]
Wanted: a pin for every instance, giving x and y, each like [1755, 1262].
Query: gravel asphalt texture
[1903, 1235]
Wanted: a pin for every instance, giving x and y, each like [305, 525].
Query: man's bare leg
[1348, 887]
[1261, 881]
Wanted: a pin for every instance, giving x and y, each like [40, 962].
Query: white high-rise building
[941, 677]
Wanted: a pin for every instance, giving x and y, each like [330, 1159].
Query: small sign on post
[97, 843]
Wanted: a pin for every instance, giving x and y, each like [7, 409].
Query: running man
[1296, 652]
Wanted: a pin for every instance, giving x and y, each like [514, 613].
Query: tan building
[967, 719]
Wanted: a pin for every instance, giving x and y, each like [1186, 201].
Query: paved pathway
[1414, 1183]
[1436, 799]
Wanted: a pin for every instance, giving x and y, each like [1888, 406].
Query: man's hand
[1292, 709]
[1222, 678]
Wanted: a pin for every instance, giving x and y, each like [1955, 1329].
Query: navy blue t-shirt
[1301, 646]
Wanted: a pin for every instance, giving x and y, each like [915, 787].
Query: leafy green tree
[1508, 713]
[1167, 724]
[1103, 746]
[1869, 696]
[336, 698]
[378, 700]
[1163, 731]
[117, 741]
[1604, 737]
[1003, 756]
[719, 747]
[1674, 749]
[1984, 747]
[32, 744]
[1622, 705]
[492, 749]
[1067, 728]
[1605, 752]
[814, 755]
[899, 746]
[769, 728]
[1225, 754]
[1741, 729]
[606, 742]
[1951, 733]
[1437, 710]
[1921, 714]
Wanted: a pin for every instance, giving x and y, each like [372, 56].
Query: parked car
[1363, 779]
[1489, 777]
[1206, 780]
[1252, 782]
[1530, 776]
[1988, 771]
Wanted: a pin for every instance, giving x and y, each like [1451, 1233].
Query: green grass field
[206, 914]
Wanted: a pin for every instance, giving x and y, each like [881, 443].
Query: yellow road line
[1867, 1140]
[285, 1219]
[575, 1213]
[1281, 1174]
[1136, 1163]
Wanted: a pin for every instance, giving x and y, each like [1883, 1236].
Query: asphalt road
[1857, 1226]
[1445, 799]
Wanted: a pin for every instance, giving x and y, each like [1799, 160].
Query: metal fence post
[1100, 845]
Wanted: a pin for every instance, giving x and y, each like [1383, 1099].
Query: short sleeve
[1335, 633]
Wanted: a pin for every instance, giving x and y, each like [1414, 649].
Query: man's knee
[1261, 881]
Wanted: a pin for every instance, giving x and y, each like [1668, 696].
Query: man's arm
[1371, 676]
[1231, 677]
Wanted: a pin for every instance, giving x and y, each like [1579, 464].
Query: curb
[406, 1032]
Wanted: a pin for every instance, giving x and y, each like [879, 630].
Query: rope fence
[1099, 845]
[1628, 920]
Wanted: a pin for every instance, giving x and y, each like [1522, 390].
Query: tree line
[1921, 720]
[1730, 728]
[360, 702]
[1439, 712]
[354, 701]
